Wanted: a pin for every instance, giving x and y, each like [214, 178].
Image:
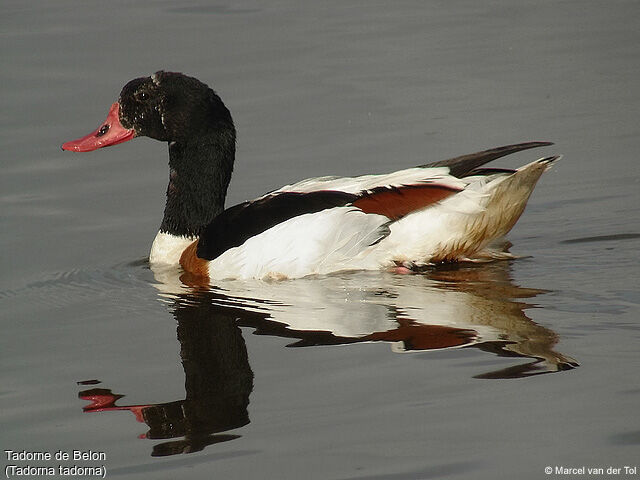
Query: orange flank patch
[418, 336]
[396, 202]
[193, 264]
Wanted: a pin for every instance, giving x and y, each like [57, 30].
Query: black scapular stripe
[237, 224]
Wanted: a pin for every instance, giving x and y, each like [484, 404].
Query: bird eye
[141, 96]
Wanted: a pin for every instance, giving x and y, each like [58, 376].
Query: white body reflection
[454, 307]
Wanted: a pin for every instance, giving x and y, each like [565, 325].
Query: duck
[454, 210]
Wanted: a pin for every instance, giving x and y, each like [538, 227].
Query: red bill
[111, 132]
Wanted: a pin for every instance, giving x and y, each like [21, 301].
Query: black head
[166, 106]
[183, 111]
[171, 106]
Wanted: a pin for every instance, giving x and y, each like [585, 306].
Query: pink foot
[401, 270]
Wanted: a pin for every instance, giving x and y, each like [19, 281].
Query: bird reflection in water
[218, 382]
[468, 306]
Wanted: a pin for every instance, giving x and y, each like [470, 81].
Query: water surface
[460, 372]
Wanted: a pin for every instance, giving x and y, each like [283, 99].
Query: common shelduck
[447, 211]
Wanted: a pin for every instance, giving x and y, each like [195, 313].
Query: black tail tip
[550, 160]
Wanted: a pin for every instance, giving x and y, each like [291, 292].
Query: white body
[460, 227]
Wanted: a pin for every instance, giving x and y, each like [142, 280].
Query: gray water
[460, 372]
